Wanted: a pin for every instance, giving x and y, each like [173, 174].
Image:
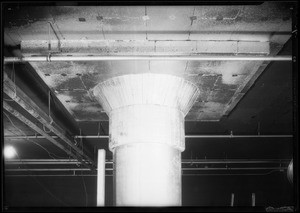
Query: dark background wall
[270, 190]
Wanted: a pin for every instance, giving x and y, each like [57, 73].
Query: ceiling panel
[248, 30]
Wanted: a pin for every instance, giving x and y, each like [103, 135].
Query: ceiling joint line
[49, 39]
[86, 89]
[58, 40]
[192, 21]
[99, 128]
[186, 66]
[146, 23]
[103, 32]
[236, 28]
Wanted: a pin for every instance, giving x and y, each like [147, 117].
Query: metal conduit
[50, 58]
[184, 161]
[29, 137]
[111, 169]
[186, 136]
[201, 136]
[238, 136]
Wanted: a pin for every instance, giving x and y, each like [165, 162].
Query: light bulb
[9, 152]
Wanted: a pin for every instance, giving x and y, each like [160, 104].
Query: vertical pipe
[253, 199]
[232, 200]
[101, 178]
[290, 172]
[114, 182]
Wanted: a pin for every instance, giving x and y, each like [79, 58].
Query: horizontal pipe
[144, 58]
[235, 161]
[184, 161]
[111, 175]
[52, 175]
[238, 136]
[244, 168]
[50, 169]
[187, 136]
[28, 137]
[43, 162]
[111, 169]
[201, 136]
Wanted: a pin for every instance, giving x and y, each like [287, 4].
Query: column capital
[146, 89]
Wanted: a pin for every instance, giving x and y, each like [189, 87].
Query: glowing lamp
[9, 152]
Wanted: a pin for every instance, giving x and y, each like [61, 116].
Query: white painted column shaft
[146, 135]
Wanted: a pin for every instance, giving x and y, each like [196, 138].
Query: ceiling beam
[23, 119]
[16, 94]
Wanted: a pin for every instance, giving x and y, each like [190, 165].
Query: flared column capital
[146, 89]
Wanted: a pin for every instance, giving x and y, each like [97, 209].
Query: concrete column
[146, 135]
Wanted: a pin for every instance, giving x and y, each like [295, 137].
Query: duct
[146, 135]
[16, 94]
[53, 58]
[8, 137]
[37, 129]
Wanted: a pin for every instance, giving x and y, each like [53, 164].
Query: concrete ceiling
[249, 30]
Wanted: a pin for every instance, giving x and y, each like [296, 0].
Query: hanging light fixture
[9, 152]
